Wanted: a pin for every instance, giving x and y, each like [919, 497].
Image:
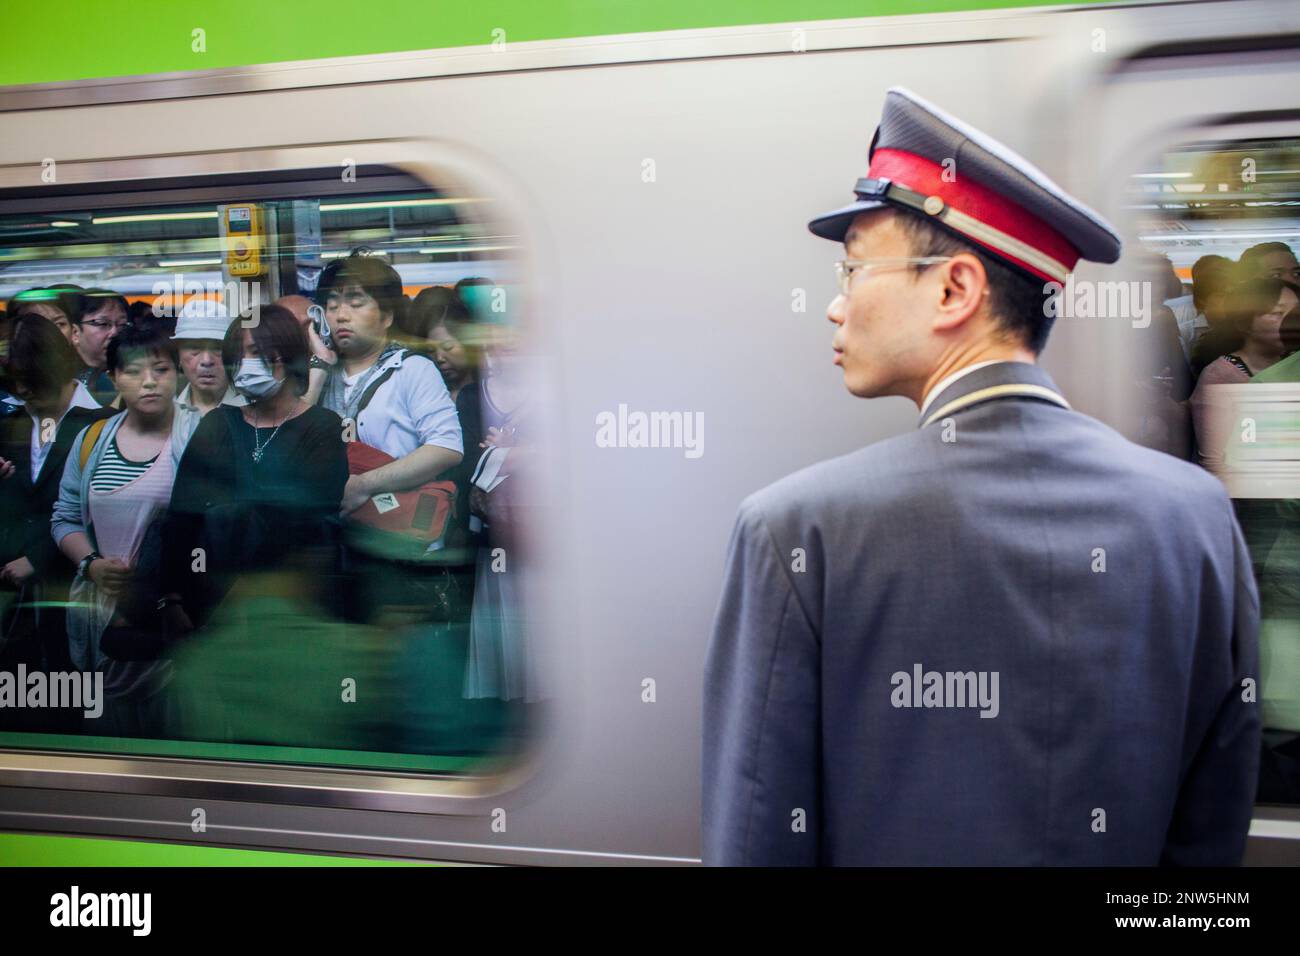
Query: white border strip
[762, 39]
[409, 841]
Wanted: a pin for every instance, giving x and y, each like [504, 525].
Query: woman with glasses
[104, 316]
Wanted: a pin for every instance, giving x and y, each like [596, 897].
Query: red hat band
[981, 214]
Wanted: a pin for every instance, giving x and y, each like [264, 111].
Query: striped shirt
[114, 470]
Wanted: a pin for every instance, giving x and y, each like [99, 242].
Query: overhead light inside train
[445, 249]
[153, 217]
[393, 204]
[1181, 236]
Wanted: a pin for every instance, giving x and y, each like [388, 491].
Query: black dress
[33, 628]
[249, 515]
[470, 412]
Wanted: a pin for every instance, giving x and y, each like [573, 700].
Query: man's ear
[964, 290]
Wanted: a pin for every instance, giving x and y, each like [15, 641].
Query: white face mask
[254, 379]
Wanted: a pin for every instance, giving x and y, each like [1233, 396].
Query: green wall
[24, 850]
[56, 40]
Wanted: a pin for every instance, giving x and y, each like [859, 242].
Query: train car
[639, 201]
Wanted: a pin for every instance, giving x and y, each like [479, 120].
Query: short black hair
[39, 359]
[277, 335]
[1245, 302]
[372, 273]
[1253, 298]
[1210, 274]
[441, 306]
[132, 340]
[95, 300]
[435, 306]
[1247, 261]
[1016, 298]
[68, 299]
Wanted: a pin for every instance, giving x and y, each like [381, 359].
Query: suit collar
[928, 402]
[74, 420]
[994, 376]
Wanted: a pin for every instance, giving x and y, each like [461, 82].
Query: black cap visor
[835, 225]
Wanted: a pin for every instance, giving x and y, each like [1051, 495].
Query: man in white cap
[1009, 636]
[200, 330]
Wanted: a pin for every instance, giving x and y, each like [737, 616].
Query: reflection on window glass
[264, 472]
[1221, 222]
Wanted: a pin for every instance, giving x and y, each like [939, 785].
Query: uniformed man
[1009, 636]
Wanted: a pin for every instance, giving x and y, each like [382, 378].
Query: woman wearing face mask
[256, 480]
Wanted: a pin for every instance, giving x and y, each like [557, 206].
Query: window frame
[106, 183]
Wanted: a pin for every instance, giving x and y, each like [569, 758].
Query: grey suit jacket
[1008, 637]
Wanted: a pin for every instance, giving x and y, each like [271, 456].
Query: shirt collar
[931, 395]
[81, 398]
[186, 398]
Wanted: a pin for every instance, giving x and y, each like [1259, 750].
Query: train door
[1197, 145]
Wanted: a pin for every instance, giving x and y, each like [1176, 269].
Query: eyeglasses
[849, 269]
[101, 324]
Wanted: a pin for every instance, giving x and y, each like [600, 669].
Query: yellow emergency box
[245, 239]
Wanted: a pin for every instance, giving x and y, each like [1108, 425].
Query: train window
[1219, 222]
[293, 540]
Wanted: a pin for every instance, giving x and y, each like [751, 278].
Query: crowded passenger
[140, 312]
[1254, 312]
[1269, 260]
[116, 486]
[439, 325]
[9, 405]
[249, 498]
[323, 357]
[256, 478]
[38, 369]
[399, 403]
[62, 305]
[501, 664]
[1286, 371]
[299, 305]
[1211, 278]
[104, 314]
[200, 331]
[407, 436]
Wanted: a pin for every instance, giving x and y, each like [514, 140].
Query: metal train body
[677, 294]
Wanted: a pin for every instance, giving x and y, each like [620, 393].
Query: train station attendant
[1008, 636]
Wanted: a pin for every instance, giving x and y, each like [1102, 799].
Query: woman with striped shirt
[116, 484]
